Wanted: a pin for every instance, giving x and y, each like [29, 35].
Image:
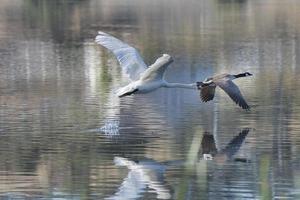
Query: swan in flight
[144, 79]
[224, 81]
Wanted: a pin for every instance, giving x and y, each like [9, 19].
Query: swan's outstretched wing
[140, 177]
[132, 186]
[157, 70]
[234, 92]
[128, 57]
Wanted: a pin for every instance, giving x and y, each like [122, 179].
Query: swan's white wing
[157, 70]
[234, 92]
[157, 184]
[146, 174]
[132, 186]
[128, 57]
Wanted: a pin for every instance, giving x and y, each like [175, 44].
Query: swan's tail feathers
[126, 91]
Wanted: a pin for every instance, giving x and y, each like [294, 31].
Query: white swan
[142, 176]
[144, 79]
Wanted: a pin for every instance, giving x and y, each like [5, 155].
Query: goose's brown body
[224, 81]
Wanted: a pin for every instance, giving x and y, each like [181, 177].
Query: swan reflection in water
[210, 151]
[142, 175]
[149, 173]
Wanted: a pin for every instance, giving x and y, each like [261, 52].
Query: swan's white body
[144, 79]
[152, 79]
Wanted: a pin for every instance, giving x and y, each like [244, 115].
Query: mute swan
[142, 176]
[224, 81]
[144, 79]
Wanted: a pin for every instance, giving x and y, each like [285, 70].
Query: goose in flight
[143, 79]
[224, 81]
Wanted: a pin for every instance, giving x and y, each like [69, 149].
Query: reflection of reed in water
[209, 150]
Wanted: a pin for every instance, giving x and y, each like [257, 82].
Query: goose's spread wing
[234, 92]
[208, 144]
[128, 57]
[207, 92]
[235, 144]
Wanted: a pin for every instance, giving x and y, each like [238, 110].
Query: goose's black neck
[240, 75]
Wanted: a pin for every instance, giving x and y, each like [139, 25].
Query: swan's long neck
[181, 85]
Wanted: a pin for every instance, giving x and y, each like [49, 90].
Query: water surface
[57, 92]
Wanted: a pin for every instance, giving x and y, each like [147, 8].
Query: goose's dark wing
[128, 57]
[208, 144]
[207, 93]
[235, 144]
[234, 92]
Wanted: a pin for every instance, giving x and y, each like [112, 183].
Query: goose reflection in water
[149, 173]
[141, 175]
[210, 151]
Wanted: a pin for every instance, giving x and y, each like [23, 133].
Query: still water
[65, 135]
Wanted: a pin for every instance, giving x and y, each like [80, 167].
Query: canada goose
[210, 151]
[144, 79]
[224, 81]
